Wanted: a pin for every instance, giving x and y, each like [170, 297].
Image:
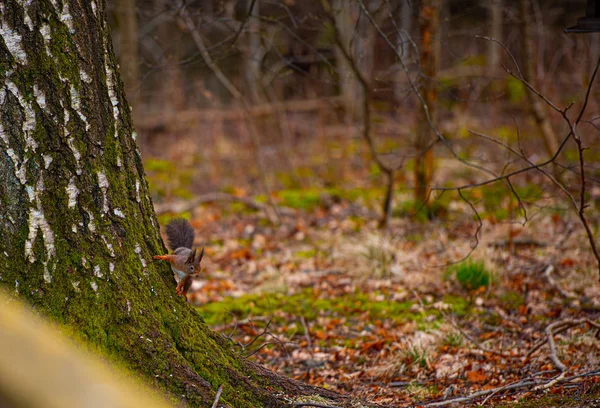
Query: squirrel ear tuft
[201, 255]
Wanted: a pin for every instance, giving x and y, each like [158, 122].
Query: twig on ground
[313, 404]
[552, 330]
[217, 397]
[526, 382]
[555, 285]
[306, 332]
[476, 342]
[552, 383]
[264, 332]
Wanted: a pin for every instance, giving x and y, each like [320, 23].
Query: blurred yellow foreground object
[39, 367]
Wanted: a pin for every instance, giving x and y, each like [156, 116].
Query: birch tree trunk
[77, 225]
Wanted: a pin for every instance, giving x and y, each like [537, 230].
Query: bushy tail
[179, 234]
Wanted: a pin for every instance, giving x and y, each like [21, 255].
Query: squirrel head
[192, 264]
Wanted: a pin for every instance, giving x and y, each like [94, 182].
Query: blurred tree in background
[282, 57]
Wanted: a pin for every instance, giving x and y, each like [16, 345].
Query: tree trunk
[255, 53]
[357, 36]
[78, 226]
[403, 44]
[538, 109]
[430, 51]
[495, 9]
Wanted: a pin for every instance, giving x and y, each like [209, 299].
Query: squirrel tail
[179, 234]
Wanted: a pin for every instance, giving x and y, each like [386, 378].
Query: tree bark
[255, 53]
[405, 47]
[538, 109]
[77, 224]
[496, 20]
[430, 51]
[358, 37]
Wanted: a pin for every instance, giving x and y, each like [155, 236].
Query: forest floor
[395, 317]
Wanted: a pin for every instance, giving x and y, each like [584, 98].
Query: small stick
[306, 332]
[557, 363]
[219, 392]
[549, 384]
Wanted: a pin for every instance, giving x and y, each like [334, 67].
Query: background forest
[397, 198]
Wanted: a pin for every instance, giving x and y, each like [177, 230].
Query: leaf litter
[329, 299]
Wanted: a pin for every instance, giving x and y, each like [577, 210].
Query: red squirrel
[185, 262]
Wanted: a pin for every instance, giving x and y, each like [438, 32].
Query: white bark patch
[76, 104]
[13, 41]
[66, 17]
[76, 154]
[110, 84]
[119, 213]
[75, 285]
[47, 276]
[40, 96]
[16, 286]
[37, 221]
[74, 228]
[28, 21]
[137, 191]
[30, 193]
[134, 135]
[94, 286]
[138, 251]
[97, 272]
[45, 31]
[72, 192]
[84, 76]
[29, 122]
[84, 262]
[47, 160]
[91, 225]
[93, 4]
[111, 267]
[108, 246]
[103, 183]
[119, 163]
[19, 168]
